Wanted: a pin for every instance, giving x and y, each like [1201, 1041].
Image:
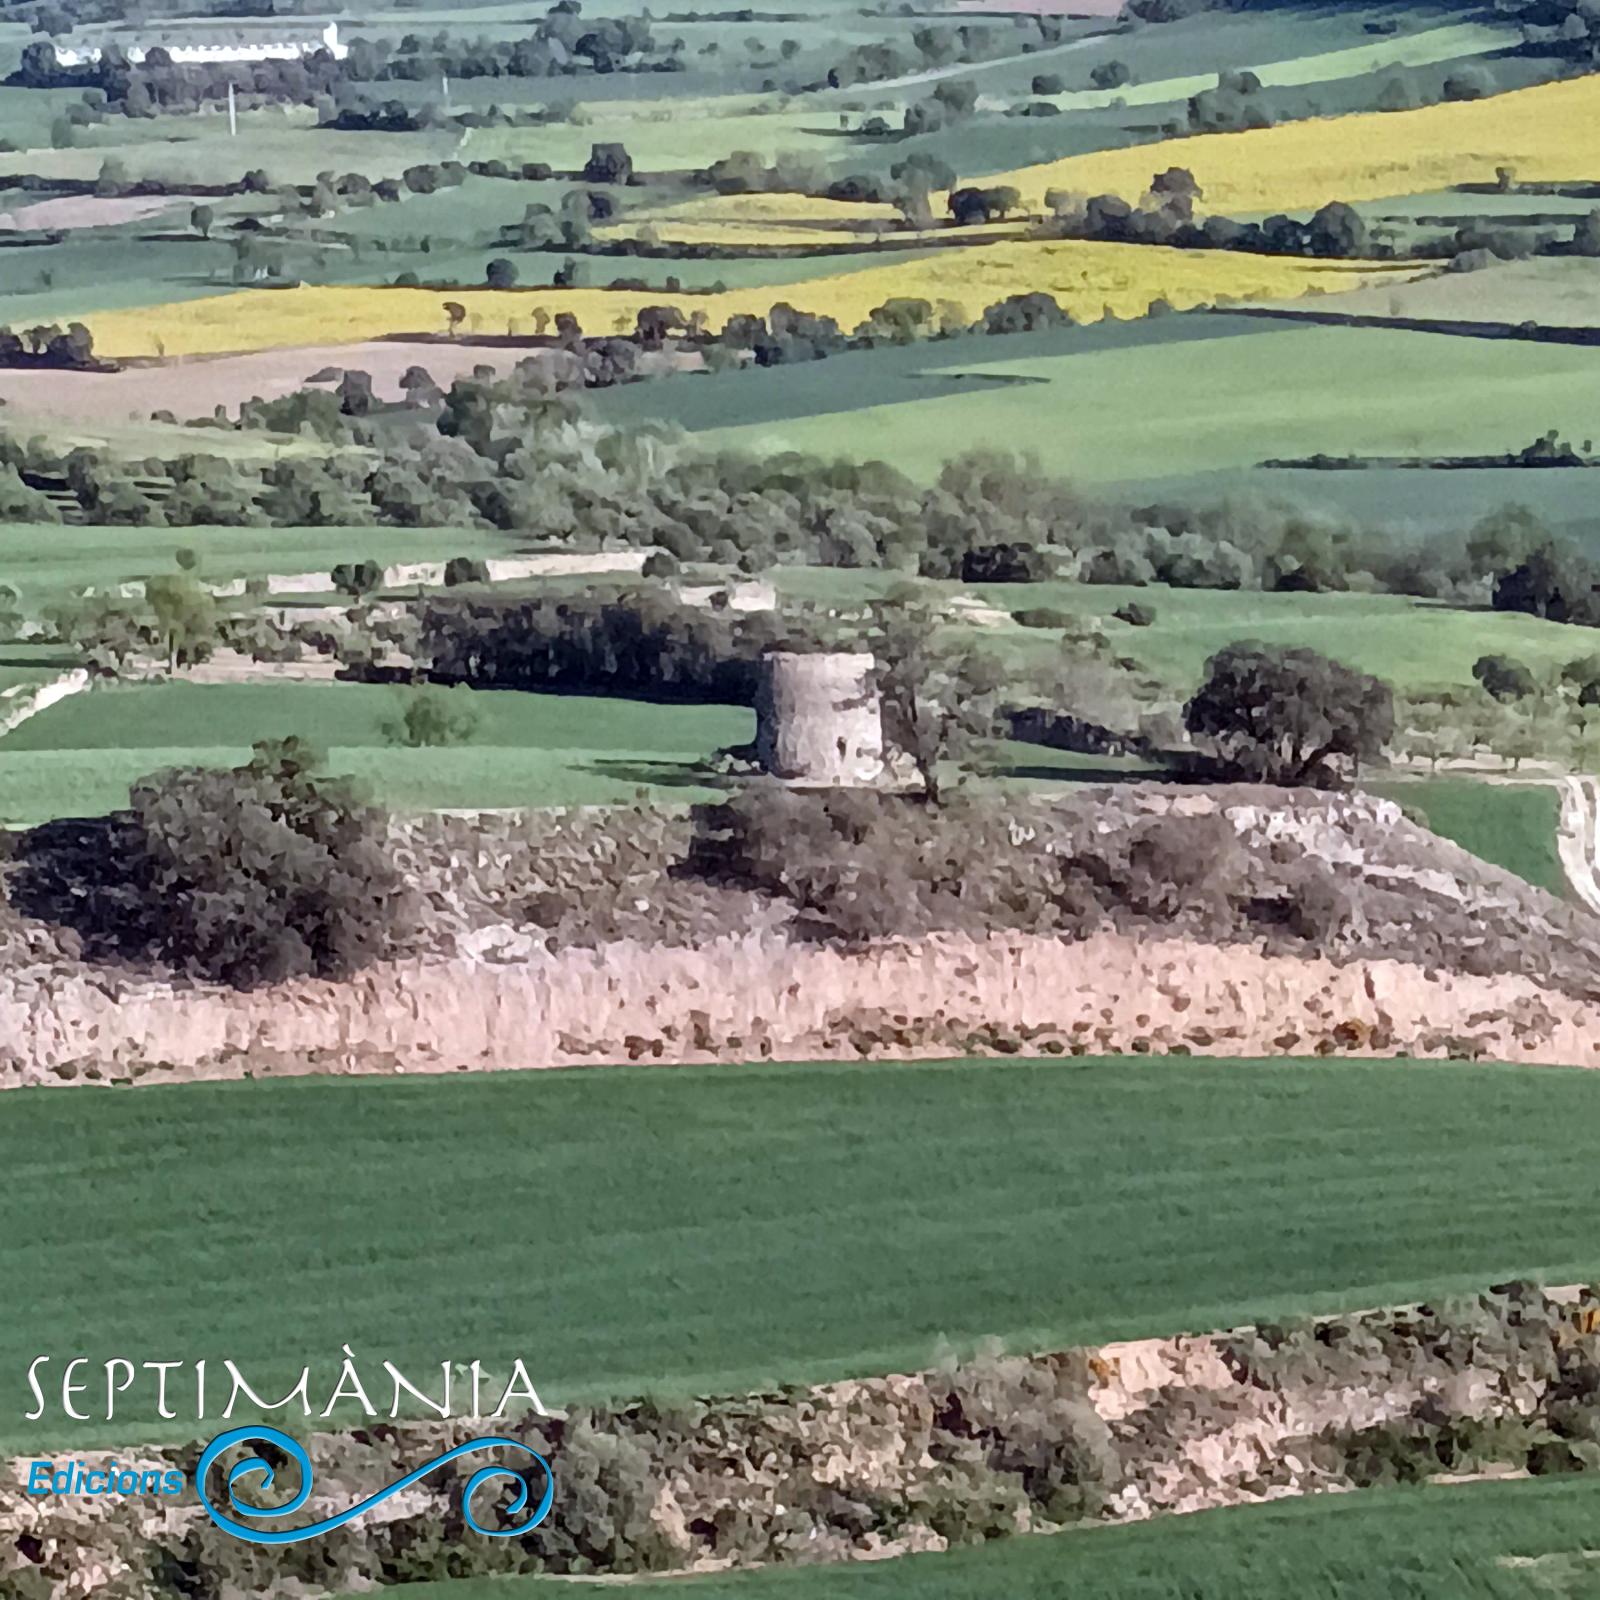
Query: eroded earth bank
[1507, 1382]
[1229, 921]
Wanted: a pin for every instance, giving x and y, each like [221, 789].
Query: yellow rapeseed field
[1086, 278]
[742, 220]
[746, 236]
[1546, 134]
[736, 235]
[758, 208]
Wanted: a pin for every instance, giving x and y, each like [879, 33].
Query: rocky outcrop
[599, 936]
[515, 1006]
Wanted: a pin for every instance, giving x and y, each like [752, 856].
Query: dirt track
[195, 388]
[74, 211]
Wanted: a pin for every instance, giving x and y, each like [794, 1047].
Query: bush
[1470, 83]
[857, 865]
[1505, 678]
[247, 876]
[465, 569]
[434, 716]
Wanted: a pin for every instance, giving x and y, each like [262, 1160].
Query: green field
[716, 1229]
[1479, 1541]
[33, 663]
[893, 375]
[1512, 825]
[50, 563]
[1403, 502]
[1407, 642]
[1232, 402]
[79, 757]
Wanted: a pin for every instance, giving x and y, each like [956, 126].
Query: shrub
[1470, 83]
[1505, 678]
[465, 569]
[434, 716]
[248, 876]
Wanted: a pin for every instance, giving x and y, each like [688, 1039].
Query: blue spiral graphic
[292, 1447]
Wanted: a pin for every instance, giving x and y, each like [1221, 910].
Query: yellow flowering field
[747, 209]
[737, 235]
[1548, 133]
[797, 235]
[742, 220]
[1085, 277]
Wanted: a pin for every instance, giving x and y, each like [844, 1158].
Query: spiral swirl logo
[258, 1467]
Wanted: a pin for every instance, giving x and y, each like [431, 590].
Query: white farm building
[264, 48]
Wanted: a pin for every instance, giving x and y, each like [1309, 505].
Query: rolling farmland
[1086, 278]
[1282, 391]
[690, 362]
[79, 757]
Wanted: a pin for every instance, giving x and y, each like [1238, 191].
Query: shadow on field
[660, 774]
[63, 661]
[1080, 775]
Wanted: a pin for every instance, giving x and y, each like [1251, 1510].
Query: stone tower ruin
[818, 719]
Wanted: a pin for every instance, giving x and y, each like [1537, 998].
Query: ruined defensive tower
[818, 719]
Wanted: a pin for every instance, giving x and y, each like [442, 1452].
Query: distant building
[265, 48]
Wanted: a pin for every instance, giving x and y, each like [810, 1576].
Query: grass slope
[1409, 643]
[1512, 825]
[1479, 1541]
[723, 1228]
[79, 757]
[1223, 403]
[52, 562]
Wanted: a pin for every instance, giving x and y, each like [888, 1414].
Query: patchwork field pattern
[1085, 278]
[965, 677]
